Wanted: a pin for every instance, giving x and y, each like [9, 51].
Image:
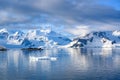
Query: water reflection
[79, 58]
[70, 64]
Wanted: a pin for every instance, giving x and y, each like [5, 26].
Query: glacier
[97, 39]
[35, 38]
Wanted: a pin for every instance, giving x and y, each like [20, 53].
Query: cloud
[90, 13]
[9, 17]
[79, 30]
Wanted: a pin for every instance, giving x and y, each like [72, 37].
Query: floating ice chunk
[33, 58]
[47, 58]
[53, 58]
[43, 58]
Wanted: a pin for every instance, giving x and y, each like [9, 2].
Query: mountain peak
[3, 30]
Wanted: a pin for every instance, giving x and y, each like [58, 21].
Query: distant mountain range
[49, 39]
[97, 39]
[31, 39]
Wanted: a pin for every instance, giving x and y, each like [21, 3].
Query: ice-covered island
[37, 39]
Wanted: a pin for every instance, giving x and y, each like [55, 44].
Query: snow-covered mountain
[97, 39]
[3, 34]
[16, 38]
[36, 38]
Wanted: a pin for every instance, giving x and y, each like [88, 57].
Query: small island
[2, 48]
[32, 49]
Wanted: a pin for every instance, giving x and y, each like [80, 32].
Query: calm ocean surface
[71, 64]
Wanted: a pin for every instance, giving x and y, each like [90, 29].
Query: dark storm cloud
[80, 12]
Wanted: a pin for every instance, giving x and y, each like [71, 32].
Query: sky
[72, 14]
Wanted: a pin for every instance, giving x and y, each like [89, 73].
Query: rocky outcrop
[2, 48]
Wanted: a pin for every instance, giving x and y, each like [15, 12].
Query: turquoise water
[70, 64]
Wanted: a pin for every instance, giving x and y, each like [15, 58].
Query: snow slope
[97, 39]
[35, 38]
[41, 38]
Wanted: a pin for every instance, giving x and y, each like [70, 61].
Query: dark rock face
[26, 42]
[32, 49]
